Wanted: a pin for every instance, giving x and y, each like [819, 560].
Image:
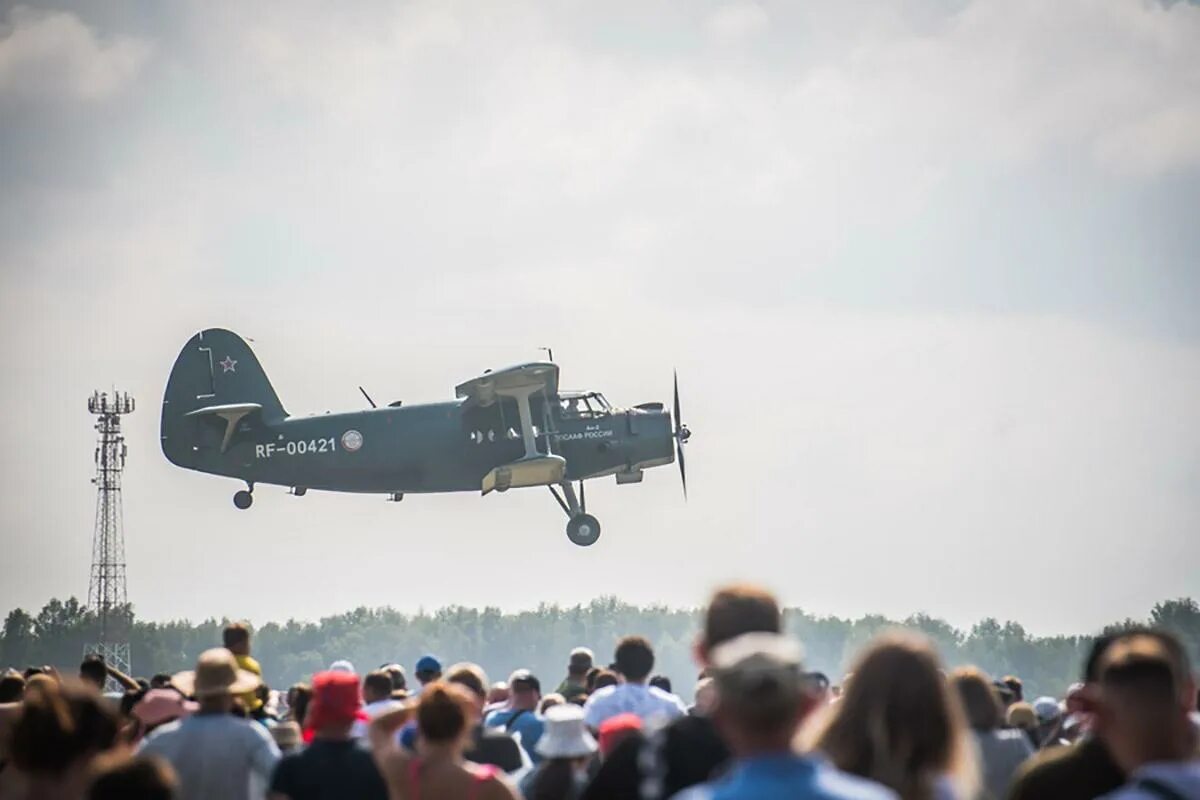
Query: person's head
[94, 671]
[634, 658]
[377, 686]
[161, 680]
[399, 679]
[761, 691]
[1047, 712]
[472, 678]
[498, 693]
[617, 729]
[59, 728]
[12, 687]
[580, 663]
[335, 704]
[30, 671]
[898, 722]
[605, 677]
[287, 736]
[525, 689]
[1143, 698]
[428, 669]
[1021, 715]
[589, 681]
[978, 697]
[299, 695]
[236, 638]
[1015, 687]
[215, 680]
[548, 701]
[142, 778]
[735, 610]
[661, 682]
[446, 713]
[160, 706]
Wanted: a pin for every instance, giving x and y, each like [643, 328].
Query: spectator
[93, 671]
[399, 680]
[1022, 717]
[689, 750]
[615, 730]
[12, 687]
[521, 716]
[1001, 750]
[334, 765]
[764, 697]
[1015, 687]
[236, 639]
[377, 691]
[215, 753]
[1142, 707]
[445, 712]
[575, 687]
[634, 659]
[661, 682]
[602, 679]
[1049, 719]
[429, 669]
[1086, 769]
[564, 752]
[497, 698]
[343, 665]
[495, 747]
[161, 680]
[298, 698]
[288, 737]
[549, 701]
[141, 778]
[56, 734]
[704, 701]
[160, 706]
[899, 724]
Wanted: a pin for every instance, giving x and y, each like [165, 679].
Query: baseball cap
[581, 658]
[342, 665]
[428, 663]
[1046, 708]
[524, 680]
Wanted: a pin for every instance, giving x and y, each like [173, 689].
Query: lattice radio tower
[106, 588]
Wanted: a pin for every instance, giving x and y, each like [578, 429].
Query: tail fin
[215, 369]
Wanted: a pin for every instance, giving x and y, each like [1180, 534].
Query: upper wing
[511, 381]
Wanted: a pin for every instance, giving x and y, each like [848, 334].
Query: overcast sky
[929, 271]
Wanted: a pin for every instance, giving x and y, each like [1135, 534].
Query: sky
[929, 272]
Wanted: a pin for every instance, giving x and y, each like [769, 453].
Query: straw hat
[565, 735]
[216, 674]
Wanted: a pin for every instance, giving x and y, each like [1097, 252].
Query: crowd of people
[758, 725]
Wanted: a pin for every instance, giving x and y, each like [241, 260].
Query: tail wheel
[583, 530]
[243, 499]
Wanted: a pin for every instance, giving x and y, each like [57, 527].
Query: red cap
[335, 701]
[615, 729]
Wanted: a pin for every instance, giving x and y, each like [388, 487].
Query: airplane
[505, 429]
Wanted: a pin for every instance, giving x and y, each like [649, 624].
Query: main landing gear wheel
[583, 530]
[243, 499]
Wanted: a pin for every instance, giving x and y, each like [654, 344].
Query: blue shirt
[528, 724]
[786, 775]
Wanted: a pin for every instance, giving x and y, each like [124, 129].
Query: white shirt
[649, 703]
[373, 710]
[1182, 776]
[216, 755]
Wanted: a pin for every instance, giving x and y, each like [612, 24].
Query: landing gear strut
[245, 498]
[582, 528]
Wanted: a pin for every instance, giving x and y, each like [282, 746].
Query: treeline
[540, 639]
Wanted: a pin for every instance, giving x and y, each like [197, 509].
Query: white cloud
[48, 55]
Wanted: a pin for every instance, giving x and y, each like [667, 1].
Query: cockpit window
[584, 405]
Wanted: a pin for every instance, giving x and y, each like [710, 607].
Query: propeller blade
[682, 468]
[678, 420]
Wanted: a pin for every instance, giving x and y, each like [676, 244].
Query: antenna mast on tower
[106, 588]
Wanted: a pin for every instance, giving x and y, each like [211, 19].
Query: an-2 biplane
[506, 429]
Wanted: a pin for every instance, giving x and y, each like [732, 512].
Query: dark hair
[1092, 665]
[130, 698]
[525, 681]
[1150, 665]
[554, 779]
[143, 777]
[739, 609]
[379, 682]
[605, 677]
[1015, 685]
[57, 726]
[12, 686]
[299, 696]
[589, 682]
[444, 711]
[634, 658]
[160, 680]
[235, 634]
[661, 682]
[93, 669]
[396, 673]
[979, 699]
[30, 671]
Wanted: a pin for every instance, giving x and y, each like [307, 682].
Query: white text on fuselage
[297, 447]
[589, 433]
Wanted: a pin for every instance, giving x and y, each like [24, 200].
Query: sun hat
[335, 700]
[162, 705]
[216, 674]
[565, 735]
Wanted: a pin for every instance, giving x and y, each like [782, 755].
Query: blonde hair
[898, 723]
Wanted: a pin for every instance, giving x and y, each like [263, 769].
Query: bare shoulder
[497, 787]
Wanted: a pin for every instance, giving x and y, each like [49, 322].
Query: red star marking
[228, 365]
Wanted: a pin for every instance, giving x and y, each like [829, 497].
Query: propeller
[681, 434]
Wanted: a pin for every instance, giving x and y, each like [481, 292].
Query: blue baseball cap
[428, 664]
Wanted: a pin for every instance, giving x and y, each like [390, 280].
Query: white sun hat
[565, 735]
